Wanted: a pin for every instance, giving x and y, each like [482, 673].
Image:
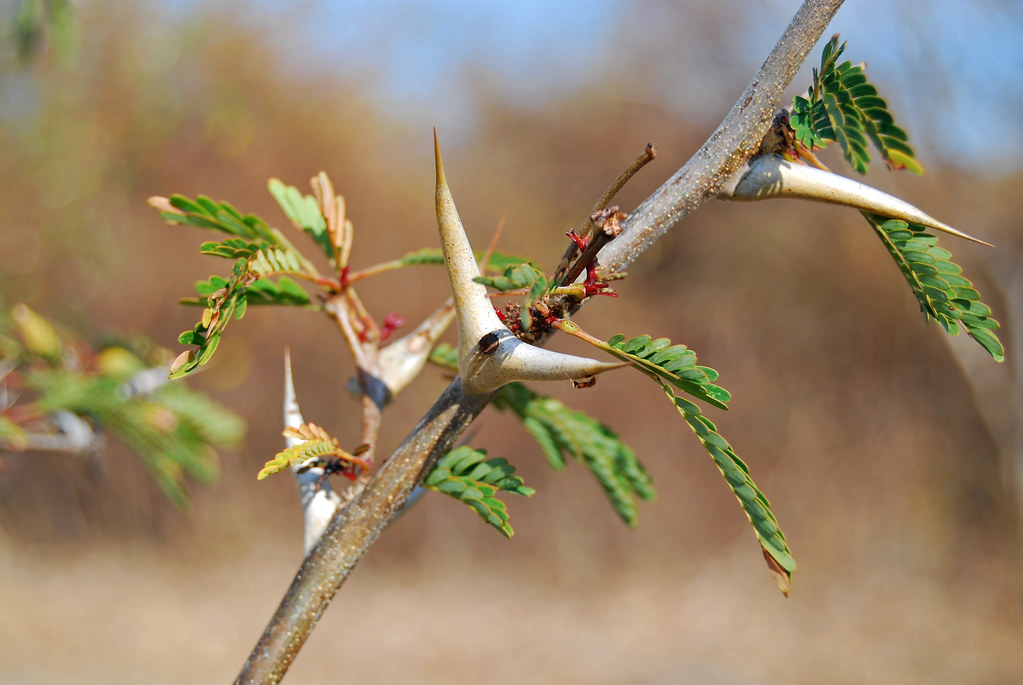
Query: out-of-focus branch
[354, 528]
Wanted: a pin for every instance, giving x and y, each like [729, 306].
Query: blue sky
[952, 70]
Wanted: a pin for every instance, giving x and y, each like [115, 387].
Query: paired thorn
[489, 354]
[769, 176]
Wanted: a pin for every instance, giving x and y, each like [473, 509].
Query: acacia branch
[354, 529]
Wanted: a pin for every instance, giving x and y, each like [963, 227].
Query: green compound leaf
[561, 431]
[431, 256]
[843, 107]
[736, 473]
[274, 261]
[261, 255]
[937, 282]
[518, 277]
[315, 442]
[304, 212]
[467, 475]
[674, 367]
[298, 454]
[675, 364]
[204, 212]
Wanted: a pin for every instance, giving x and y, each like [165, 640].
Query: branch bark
[354, 529]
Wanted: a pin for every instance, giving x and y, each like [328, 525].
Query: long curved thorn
[507, 359]
[489, 355]
[473, 309]
[769, 177]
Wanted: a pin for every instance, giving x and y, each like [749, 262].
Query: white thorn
[473, 309]
[319, 501]
[486, 367]
[769, 176]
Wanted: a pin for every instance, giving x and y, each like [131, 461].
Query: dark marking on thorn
[588, 382]
[489, 343]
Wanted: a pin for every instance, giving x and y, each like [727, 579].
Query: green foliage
[315, 443]
[302, 452]
[674, 367]
[204, 212]
[943, 292]
[673, 363]
[517, 277]
[304, 212]
[842, 106]
[467, 475]
[445, 355]
[498, 262]
[298, 454]
[12, 435]
[525, 276]
[736, 474]
[262, 256]
[41, 22]
[172, 429]
[561, 431]
[564, 432]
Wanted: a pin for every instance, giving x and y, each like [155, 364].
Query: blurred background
[892, 455]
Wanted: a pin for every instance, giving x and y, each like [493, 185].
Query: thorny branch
[354, 529]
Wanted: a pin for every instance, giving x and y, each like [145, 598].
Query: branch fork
[489, 354]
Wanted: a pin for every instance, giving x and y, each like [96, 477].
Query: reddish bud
[391, 323]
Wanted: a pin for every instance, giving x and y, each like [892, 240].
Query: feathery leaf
[561, 431]
[842, 106]
[467, 475]
[752, 500]
[937, 282]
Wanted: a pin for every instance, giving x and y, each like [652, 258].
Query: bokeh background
[892, 455]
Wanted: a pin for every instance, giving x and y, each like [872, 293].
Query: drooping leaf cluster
[467, 475]
[843, 106]
[172, 429]
[752, 500]
[937, 282]
[564, 432]
[674, 368]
